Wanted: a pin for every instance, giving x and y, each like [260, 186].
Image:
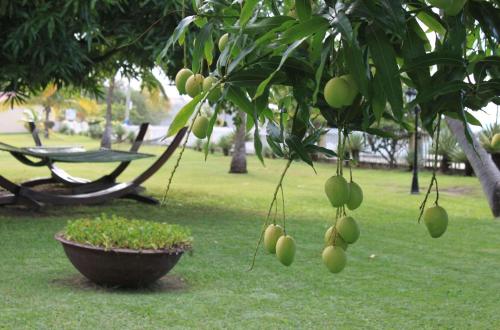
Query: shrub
[65, 129]
[131, 137]
[447, 146]
[225, 143]
[486, 135]
[198, 145]
[96, 130]
[119, 131]
[210, 146]
[119, 232]
[355, 144]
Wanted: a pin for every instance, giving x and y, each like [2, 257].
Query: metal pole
[414, 182]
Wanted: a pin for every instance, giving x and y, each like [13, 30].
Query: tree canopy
[449, 56]
[79, 43]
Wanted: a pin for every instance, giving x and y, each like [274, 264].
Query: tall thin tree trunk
[484, 167]
[46, 124]
[108, 129]
[239, 160]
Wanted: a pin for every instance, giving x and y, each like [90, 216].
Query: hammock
[73, 154]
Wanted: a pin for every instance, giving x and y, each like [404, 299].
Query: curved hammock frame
[81, 185]
[27, 195]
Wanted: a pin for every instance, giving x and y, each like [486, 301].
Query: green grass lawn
[396, 276]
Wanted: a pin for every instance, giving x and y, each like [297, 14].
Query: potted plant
[115, 251]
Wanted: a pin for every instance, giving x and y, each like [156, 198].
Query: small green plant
[118, 232]
[198, 145]
[119, 131]
[131, 137]
[226, 143]
[355, 144]
[486, 136]
[96, 130]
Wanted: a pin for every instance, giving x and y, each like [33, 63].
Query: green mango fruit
[348, 229]
[271, 236]
[353, 88]
[285, 249]
[200, 127]
[337, 92]
[495, 141]
[337, 190]
[333, 238]
[180, 79]
[194, 85]
[436, 220]
[334, 258]
[208, 82]
[223, 41]
[355, 196]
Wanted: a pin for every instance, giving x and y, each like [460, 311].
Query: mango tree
[350, 62]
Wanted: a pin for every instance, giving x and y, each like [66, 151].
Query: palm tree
[447, 147]
[108, 128]
[51, 99]
[239, 160]
[484, 167]
[355, 145]
[485, 138]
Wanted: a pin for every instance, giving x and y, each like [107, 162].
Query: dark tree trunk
[445, 164]
[496, 159]
[108, 128]
[46, 124]
[239, 160]
[469, 171]
[484, 167]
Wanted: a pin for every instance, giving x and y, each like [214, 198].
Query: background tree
[80, 43]
[390, 145]
[108, 126]
[239, 159]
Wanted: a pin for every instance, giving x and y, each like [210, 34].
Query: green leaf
[384, 58]
[379, 98]
[303, 9]
[209, 50]
[435, 58]
[184, 114]
[247, 11]
[442, 89]
[210, 128]
[319, 73]
[239, 98]
[304, 29]
[343, 25]
[263, 25]
[199, 46]
[468, 116]
[327, 152]
[296, 146]
[263, 85]
[432, 21]
[178, 32]
[275, 147]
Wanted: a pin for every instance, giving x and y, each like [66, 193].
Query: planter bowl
[119, 267]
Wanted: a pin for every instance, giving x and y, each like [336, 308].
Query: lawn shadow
[166, 284]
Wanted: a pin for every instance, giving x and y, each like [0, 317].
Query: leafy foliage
[79, 43]
[119, 232]
[384, 45]
[486, 135]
